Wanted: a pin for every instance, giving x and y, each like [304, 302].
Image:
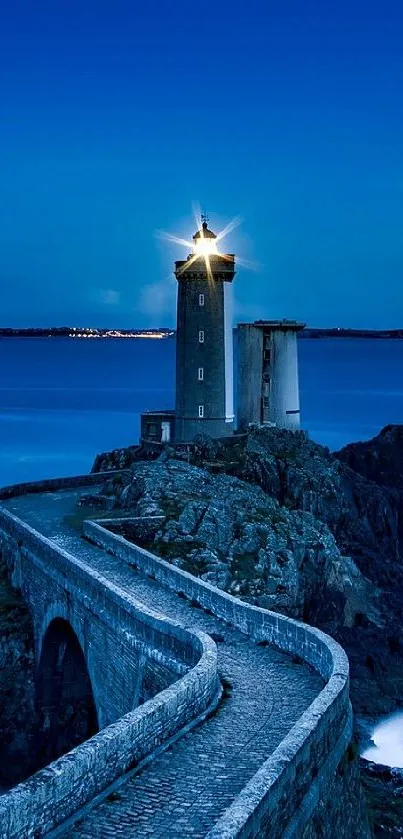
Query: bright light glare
[205, 246]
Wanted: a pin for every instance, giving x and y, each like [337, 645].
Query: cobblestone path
[186, 789]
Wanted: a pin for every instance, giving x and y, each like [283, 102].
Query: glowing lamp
[205, 241]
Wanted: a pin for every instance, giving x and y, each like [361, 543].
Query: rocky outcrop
[117, 459]
[282, 522]
[365, 519]
[380, 459]
[234, 535]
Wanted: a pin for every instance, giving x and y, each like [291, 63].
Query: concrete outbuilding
[268, 387]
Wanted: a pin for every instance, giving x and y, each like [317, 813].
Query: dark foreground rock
[383, 787]
[17, 686]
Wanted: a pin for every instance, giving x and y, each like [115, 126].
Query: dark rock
[232, 533]
[288, 525]
[383, 788]
[380, 459]
[18, 717]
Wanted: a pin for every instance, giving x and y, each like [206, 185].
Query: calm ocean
[62, 401]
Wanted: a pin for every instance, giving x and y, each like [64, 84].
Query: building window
[201, 411]
[201, 374]
[201, 299]
[201, 336]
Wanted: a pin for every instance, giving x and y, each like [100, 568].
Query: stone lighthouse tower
[204, 360]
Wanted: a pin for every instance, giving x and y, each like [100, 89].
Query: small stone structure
[157, 427]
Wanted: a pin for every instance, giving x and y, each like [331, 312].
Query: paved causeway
[186, 789]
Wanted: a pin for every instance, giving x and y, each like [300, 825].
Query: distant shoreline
[81, 333]
[351, 333]
[77, 333]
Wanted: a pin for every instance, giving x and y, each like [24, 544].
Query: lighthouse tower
[204, 354]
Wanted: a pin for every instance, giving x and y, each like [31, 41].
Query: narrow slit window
[201, 411]
[201, 374]
[201, 299]
[201, 336]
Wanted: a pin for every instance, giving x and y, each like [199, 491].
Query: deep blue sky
[116, 116]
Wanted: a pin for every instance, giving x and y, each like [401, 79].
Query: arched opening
[65, 699]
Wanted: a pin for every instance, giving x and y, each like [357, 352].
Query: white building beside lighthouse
[268, 384]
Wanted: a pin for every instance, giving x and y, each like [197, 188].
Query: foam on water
[387, 738]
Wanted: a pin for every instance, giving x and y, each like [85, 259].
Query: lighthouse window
[201, 336]
[201, 299]
[201, 374]
[201, 410]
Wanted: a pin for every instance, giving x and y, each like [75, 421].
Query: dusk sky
[117, 116]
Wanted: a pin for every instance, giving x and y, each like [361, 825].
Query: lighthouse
[204, 351]
[267, 357]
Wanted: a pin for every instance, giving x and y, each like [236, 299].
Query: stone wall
[300, 772]
[283, 798]
[54, 484]
[56, 583]
[341, 809]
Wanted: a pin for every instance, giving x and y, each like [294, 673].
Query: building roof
[204, 233]
[283, 325]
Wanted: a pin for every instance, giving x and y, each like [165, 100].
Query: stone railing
[35, 807]
[280, 798]
[54, 484]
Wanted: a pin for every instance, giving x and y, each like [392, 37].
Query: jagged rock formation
[116, 459]
[288, 525]
[380, 459]
[365, 520]
[234, 535]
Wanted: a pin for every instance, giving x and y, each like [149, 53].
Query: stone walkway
[186, 789]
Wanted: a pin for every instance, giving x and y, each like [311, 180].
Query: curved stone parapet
[291, 779]
[54, 484]
[33, 808]
[280, 798]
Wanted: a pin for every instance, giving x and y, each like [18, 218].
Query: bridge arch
[65, 699]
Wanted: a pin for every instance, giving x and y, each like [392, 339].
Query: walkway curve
[273, 700]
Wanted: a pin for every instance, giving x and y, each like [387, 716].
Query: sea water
[63, 400]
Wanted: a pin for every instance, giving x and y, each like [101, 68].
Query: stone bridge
[183, 711]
